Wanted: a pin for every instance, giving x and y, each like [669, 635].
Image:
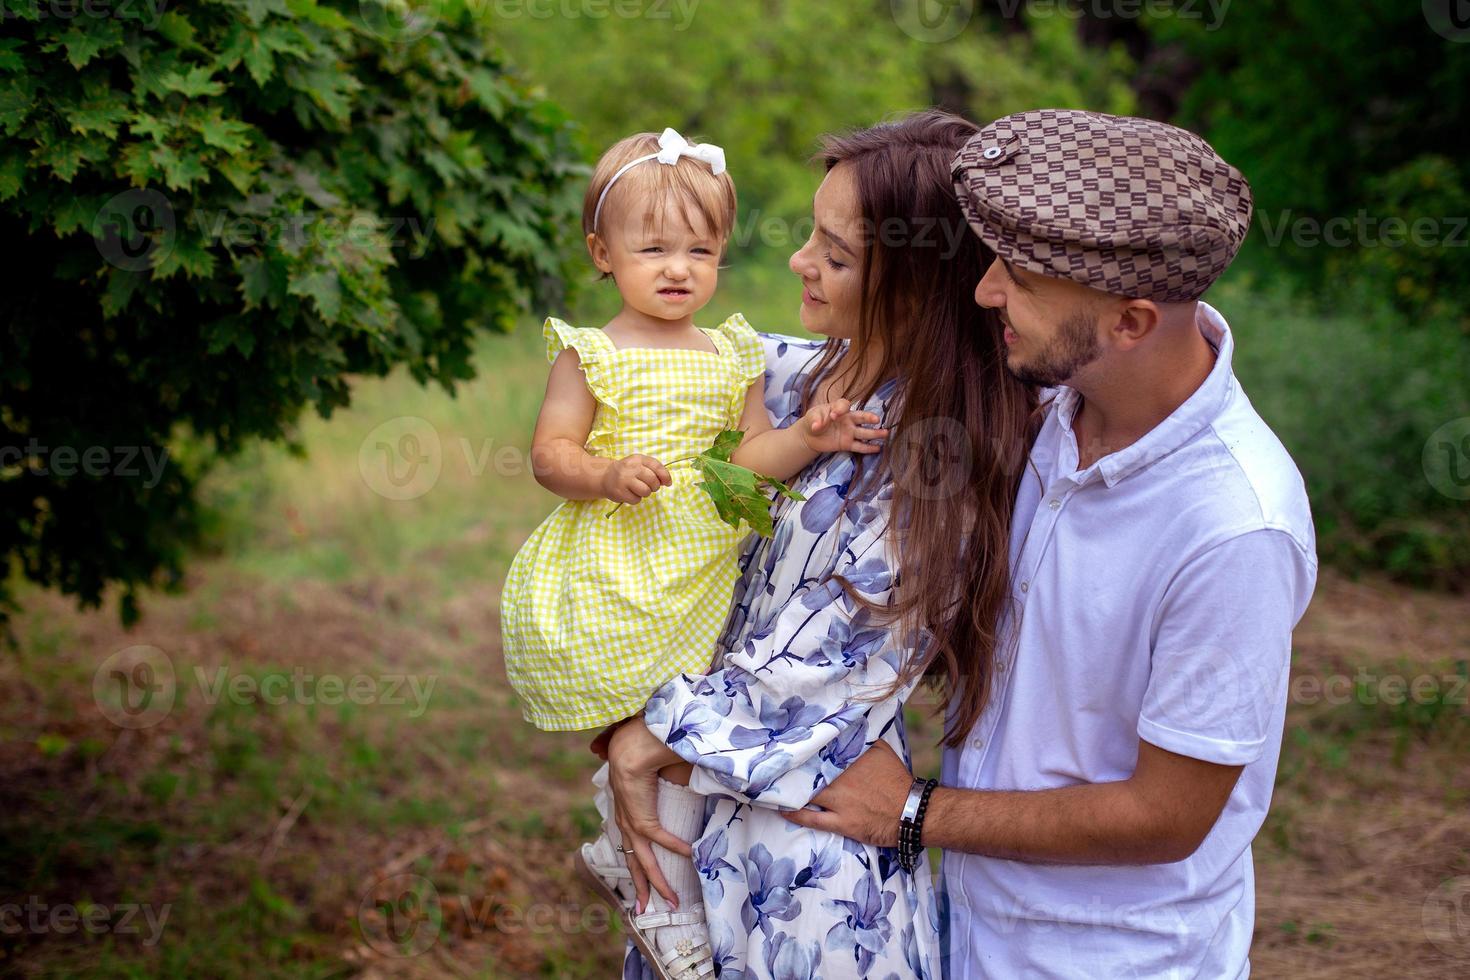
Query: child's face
[667, 271]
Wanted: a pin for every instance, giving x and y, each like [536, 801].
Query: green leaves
[737, 491]
[226, 212]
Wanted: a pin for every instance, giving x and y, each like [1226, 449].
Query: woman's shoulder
[788, 360]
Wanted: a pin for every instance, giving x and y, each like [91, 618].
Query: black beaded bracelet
[911, 830]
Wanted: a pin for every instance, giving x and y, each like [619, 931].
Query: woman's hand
[634, 477]
[635, 757]
[834, 428]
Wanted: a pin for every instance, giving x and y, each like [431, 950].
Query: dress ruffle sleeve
[589, 343]
[750, 353]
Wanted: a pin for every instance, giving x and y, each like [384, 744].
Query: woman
[821, 648]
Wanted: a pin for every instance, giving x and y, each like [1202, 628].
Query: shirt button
[1001, 666]
[1025, 586]
[1056, 505]
[977, 743]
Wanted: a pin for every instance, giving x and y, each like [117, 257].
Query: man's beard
[1074, 347]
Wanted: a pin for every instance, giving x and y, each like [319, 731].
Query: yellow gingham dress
[598, 612]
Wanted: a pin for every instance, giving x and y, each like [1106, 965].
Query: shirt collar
[1197, 411]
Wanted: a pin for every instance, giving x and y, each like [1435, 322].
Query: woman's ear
[598, 250]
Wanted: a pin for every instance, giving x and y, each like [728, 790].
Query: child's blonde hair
[689, 184]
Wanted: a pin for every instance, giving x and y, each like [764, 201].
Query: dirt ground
[334, 843]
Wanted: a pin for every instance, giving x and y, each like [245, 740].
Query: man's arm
[1158, 815]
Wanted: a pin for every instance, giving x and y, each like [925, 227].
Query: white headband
[672, 147]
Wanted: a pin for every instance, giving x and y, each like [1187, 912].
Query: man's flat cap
[1132, 207]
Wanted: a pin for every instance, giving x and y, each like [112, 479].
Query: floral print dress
[788, 706]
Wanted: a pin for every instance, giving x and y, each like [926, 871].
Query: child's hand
[835, 428]
[632, 478]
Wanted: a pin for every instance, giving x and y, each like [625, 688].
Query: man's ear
[598, 250]
[1136, 320]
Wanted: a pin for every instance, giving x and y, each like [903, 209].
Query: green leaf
[255, 281]
[736, 490]
[179, 171]
[119, 290]
[64, 157]
[259, 61]
[230, 135]
[16, 99]
[83, 45]
[188, 255]
[75, 211]
[239, 171]
[324, 289]
[12, 173]
[725, 445]
[176, 27]
[489, 91]
[193, 84]
[9, 60]
[324, 16]
[94, 118]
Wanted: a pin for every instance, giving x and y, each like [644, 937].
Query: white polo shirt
[1155, 594]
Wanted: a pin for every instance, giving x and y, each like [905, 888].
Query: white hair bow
[672, 146]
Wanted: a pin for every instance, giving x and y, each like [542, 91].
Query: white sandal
[600, 863]
[690, 959]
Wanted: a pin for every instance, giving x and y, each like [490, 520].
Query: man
[1098, 820]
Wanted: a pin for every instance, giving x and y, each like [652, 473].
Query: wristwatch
[911, 823]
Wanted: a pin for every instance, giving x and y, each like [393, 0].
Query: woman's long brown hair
[958, 442]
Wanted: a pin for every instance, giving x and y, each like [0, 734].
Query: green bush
[1420, 263]
[1357, 394]
[220, 213]
[1383, 147]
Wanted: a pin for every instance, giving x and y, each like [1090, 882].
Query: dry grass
[1368, 822]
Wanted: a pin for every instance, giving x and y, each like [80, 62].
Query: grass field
[337, 782]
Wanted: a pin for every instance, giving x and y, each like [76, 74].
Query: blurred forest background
[343, 424]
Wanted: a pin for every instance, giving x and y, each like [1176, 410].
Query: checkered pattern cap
[1132, 207]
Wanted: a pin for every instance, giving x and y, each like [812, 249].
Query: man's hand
[834, 428]
[865, 802]
[1158, 815]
